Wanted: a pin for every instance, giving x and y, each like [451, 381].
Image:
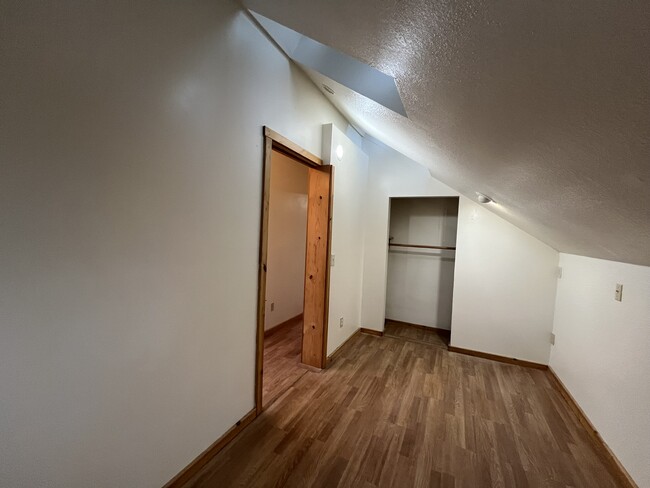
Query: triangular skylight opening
[343, 69]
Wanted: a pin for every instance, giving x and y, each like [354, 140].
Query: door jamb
[275, 141]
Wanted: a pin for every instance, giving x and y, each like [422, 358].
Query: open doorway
[421, 261]
[294, 271]
[285, 279]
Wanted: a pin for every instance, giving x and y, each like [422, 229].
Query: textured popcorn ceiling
[543, 105]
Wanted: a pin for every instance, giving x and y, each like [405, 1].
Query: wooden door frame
[274, 141]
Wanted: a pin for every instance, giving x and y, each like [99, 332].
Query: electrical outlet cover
[618, 294]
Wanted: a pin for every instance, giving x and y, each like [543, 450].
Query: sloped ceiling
[543, 105]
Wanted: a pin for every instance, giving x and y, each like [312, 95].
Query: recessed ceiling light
[328, 89]
[484, 198]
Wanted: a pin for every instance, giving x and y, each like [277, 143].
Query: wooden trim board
[285, 146]
[283, 325]
[328, 273]
[204, 458]
[495, 357]
[378, 333]
[317, 269]
[332, 357]
[614, 465]
[261, 287]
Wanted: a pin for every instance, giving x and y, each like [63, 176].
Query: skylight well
[329, 62]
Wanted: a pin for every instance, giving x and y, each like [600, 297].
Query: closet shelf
[422, 246]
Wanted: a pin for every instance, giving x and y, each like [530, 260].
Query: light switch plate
[552, 339]
[618, 294]
[332, 259]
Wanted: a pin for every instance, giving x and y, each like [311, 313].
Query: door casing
[319, 236]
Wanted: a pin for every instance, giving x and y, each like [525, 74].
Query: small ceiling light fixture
[484, 198]
[339, 152]
[328, 89]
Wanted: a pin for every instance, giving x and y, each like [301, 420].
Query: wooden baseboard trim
[495, 357]
[332, 357]
[283, 325]
[202, 459]
[615, 467]
[374, 332]
[418, 326]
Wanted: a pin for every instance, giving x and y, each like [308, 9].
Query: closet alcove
[421, 260]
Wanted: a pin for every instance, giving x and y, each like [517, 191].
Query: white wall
[285, 281]
[420, 282]
[130, 196]
[504, 287]
[504, 283]
[350, 182]
[602, 353]
[390, 174]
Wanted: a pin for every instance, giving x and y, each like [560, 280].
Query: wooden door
[317, 267]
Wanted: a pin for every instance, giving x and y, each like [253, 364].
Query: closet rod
[421, 246]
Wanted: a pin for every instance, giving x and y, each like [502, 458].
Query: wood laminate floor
[400, 413]
[418, 333]
[282, 366]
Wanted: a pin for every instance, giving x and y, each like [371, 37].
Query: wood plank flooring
[392, 412]
[399, 330]
[282, 366]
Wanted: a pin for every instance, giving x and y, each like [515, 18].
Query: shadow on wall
[448, 238]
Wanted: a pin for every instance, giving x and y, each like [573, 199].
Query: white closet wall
[420, 281]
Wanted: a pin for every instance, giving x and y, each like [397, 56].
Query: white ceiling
[543, 105]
